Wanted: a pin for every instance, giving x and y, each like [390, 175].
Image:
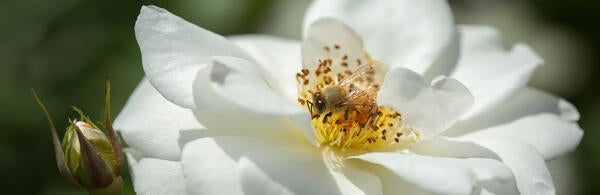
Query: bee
[354, 95]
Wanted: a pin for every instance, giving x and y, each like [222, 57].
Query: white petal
[429, 109]
[209, 164]
[256, 166]
[302, 171]
[458, 148]
[224, 88]
[248, 124]
[157, 176]
[173, 50]
[446, 63]
[492, 175]
[490, 72]
[294, 171]
[526, 102]
[251, 92]
[450, 147]
[320, 41]
[279, 60]
[523, 159]
[304, 124]
[133, 156]
[527, 165]
[392, 183]
[401, 33]
[330, 39]
[352, 180]
[547, 133]
[196, 68]
[209, 169]
[564, 171]
[257, 182]
[151, 124]
[445, 175]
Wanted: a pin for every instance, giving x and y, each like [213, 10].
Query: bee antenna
[309, 105]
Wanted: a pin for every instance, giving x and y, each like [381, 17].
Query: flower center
[340, 94]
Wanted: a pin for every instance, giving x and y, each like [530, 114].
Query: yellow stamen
[345, 129]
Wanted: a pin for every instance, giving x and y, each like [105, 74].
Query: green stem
[115, 188]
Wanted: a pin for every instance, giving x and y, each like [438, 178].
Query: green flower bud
[88, 159]
[89, 154]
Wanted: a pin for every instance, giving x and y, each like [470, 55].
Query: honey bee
[354, 95]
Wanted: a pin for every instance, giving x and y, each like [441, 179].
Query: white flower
[219, 115]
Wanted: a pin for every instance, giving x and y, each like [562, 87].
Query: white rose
[218, 115]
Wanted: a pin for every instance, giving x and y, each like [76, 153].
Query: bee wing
[361, 92]
[359, 98]
[363, 75]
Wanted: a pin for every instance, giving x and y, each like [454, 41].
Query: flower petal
[450, 147]
[278, 58]
[330, 39]
[492, 175]
[352, 180]
[445, 175]
[457, 148]
[392, 183]
[564, 171]
[198, 69]
[245, 125]
[320, 43]
[528, 166]
[401, 33]
[446, 63]
[209, 164]
[253, 166]
[151, 124]
[526, 102]
[209, 169]
[157, 176]
[429, 109]
[222, 88]
[246, 91]
[174, 49]
[547, 133]
[490, 72]
[293, 171]
[301, 171]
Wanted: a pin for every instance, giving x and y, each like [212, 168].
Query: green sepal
[95, 172]
[63, 168]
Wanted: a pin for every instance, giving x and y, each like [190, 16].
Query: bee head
[319, 102]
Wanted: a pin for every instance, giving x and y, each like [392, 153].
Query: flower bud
[88, 159]
[89, 155]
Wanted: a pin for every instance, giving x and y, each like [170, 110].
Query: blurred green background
[65, 48]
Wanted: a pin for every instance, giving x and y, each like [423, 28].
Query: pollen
[385, 130]
[356, 122]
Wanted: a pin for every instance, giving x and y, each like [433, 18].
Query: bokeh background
[65, 48]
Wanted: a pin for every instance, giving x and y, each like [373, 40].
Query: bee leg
[376, 119]
[362, 125]
[346, 113]
[327, 117]
[360, 118]
[309, 105]
[376, 113]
